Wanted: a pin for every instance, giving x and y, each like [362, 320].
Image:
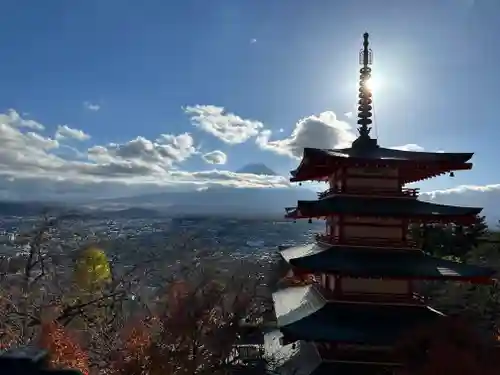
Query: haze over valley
[230, 201]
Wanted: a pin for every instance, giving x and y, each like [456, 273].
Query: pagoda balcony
[365, 241]
[357, 353]
[403, 193]
[379, 298]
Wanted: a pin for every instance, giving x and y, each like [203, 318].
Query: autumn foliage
[110, 315]
[134, 357]
[63, 348]
[192, 331]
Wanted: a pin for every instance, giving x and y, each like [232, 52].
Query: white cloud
[14, 119]
[409, 147]
[215, 157]
[24, 151]
[64, 131]
[92, 106]
[487, 196]
[227, 178]
[253, 40]
[143, 154]
[27, 156]
[322, 131]
[226, 126]
[462, 189]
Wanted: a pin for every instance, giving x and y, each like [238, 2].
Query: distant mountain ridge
[257, 168]
[237, 202]
[214, 201]
[219, 200]
[8, 208]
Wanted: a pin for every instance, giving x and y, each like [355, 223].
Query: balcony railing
[389, 298]
[249, 351]
[365, 241]
[357, 353]
[403, 193]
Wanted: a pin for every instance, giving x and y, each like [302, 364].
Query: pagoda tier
[320, 164]
[373, 191]
[350, 368]
[383, 263]
[413, 209]
[361, 271]
[304, 314]
[323, 359]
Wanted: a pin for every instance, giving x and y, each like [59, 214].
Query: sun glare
[372, 85]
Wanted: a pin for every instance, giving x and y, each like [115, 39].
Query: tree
[474, 244]
[42, 287]
[64, 350]
[92, 269]
[450, 240]
[449, 346]
[124, 328]
[194, 332]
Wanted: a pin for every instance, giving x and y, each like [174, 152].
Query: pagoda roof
[304, 314]
[349, 368]
[317, 163]
[306, 360]
[382, 153]
[378, 206]
[357, 261]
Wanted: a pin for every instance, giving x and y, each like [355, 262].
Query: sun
[372, 85]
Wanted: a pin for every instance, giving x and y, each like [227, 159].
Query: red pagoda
[364, 265]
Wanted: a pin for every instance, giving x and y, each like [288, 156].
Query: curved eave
[300, 251]
[382, 207]
[367, 262]
[307, 360]
[318, 164]
[354, 367]
[303, 162]
[382, 153]
[303, 314]
[412, 218]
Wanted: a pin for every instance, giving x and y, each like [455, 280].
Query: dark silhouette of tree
[450, 240]
[450, 346]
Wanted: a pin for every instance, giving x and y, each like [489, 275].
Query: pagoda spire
[365, 94]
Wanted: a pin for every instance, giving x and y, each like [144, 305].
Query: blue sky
[271, 63]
